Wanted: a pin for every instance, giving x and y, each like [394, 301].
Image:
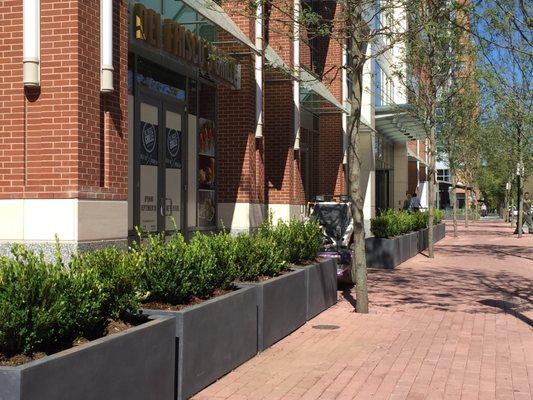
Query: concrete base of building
[66, 249]
[286, 212]
[241, 217]
[78, 225]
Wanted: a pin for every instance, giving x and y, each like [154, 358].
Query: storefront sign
[183, 44]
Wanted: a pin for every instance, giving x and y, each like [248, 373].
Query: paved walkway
[456, 327]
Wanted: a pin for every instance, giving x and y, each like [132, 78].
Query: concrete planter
[404, 243]
[321, 282]
[281, 306]
[423, 239]
[413, 244]
[213, 338]
[383, 253]
[137, 364]
[440, 231]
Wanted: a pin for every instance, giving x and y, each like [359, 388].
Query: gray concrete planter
[423, 239]
[213, 338]
[281, 307]
[321, 282]
[440, 231]
[137, 364]
[413, 244]
[383, 253]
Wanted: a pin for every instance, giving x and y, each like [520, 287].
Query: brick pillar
[331, 172]
[63, 147]
[241, 176]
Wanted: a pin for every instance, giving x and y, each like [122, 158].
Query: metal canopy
[310, 84]
[397, 124]
[213, 12]
[313, 93]
[412, 156]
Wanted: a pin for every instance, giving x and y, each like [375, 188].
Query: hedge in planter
[218, 334]
[46, 306]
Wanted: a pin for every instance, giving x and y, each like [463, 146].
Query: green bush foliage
[395, 223]
[45, 306]
[258, 256]
[299, 240]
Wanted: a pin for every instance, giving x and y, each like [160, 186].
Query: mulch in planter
[112, 327]
[162, 306]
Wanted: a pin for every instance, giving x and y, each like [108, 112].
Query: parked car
[336, 221]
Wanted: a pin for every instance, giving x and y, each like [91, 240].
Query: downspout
[31, 43]
[259, 69]
[296, 65]
[345, 105]
[106, 45]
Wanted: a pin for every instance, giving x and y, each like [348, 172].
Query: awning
[213, 12]
[397, 124]
[312, 85]
[313, 92]
[412, 156]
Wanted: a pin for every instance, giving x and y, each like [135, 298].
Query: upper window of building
[443, 175]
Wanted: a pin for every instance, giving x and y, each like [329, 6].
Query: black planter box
[440, 232]
[321, 282]
[413, 244]
[281, 307]
[383, 253]
[423, 239]
[213, 338]
[137, 364]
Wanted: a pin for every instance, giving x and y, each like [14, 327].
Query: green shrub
[104, 285]
[392, 223]
[45, 306]
[160, 263]
[437, 216]
[34, 308]
[299, 240]
[212, 258]
[258, 256]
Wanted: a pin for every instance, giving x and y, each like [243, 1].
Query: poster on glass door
[149, 160]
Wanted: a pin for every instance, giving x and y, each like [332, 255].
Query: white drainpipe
[259, 69]
[345, 105]
[296, 84]
[31, 43]
[106, 45]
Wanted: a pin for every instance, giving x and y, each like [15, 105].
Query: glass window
[207, 166]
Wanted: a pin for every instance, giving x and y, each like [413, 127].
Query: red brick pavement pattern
[456, 327]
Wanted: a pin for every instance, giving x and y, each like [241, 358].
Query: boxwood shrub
[392, 223]
[299, 240]
[45, 305]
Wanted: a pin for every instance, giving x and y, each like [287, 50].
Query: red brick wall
[53, 143]
[331, 179]
[241, 176]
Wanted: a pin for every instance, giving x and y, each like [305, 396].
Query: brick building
[170, 115]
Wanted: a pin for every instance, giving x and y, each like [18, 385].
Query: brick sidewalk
[456, 327]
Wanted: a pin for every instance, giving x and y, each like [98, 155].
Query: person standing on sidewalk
[415, 204]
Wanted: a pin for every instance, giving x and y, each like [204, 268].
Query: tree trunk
[466, 205]
[357, 51]
[454, 201]
[431, 191]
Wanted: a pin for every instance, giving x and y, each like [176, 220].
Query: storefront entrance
[159, 140]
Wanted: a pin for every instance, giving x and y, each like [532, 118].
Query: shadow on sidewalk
[509, 308]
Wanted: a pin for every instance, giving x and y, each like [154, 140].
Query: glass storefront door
[159, 139]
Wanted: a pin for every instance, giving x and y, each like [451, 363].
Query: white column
[31, 42]
[259, 69]
[106, 45]
[296, 84]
